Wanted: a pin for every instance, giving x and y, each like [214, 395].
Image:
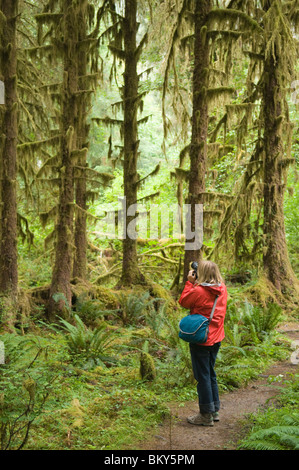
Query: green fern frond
[284, 436]
[261, 445]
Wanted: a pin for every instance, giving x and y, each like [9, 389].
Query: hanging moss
[219, 94]
[152, 173]
[219, 16]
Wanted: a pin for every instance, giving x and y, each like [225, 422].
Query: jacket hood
[215, 289]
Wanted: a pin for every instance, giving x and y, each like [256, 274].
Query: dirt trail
[177, 434]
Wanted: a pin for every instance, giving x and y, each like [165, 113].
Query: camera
[194, 266]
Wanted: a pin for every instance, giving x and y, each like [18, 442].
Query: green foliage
[247, 324]
[99, 401]
[284, 436]
[24, 390]
[147, 365]
[176, 352]
[60, 297]
[261, 321]
[111, 401]
[134, 306]
[249, 342]
[291, 213]
[86, 346]
[90, 310]
[277, 428]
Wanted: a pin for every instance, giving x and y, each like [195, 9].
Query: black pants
[203, 362]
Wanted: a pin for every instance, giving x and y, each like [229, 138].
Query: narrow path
[177, 434]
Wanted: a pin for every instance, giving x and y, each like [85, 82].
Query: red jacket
[200, 299]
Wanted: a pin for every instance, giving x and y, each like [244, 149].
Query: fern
[134, 306]
[284, 436]
[261, 321]
[85, 344]
[261, 445]
[235, 336]
[157, 320]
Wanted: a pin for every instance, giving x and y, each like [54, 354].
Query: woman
[199, 296]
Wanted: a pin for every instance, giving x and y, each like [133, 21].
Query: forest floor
[177, 434]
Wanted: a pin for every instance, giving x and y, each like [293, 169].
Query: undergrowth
[277, 428]
[88, 390]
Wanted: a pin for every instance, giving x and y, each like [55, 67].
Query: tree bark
[8, 150]
[79, 268]
[130, 271]
[276, 260]
[62, 271]
[198, 146]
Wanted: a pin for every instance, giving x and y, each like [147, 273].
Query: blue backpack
[195, 328]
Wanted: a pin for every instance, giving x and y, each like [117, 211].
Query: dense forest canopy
[112, 101]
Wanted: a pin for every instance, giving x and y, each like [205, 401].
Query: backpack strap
[213, 309]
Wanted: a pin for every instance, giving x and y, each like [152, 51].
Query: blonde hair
[208, 272]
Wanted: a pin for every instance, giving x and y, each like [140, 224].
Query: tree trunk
[198, 147]
[130, 271]
[62, 271]
[79, 268]
[8, 150]
[276, 260]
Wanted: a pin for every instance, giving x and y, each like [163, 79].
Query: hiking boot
[215, 416]
[201, 419]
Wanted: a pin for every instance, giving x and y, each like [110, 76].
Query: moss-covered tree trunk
[130, 271]
[198, 146]
[79, 268]
[62, 270]
[8, 148]
[276, 260]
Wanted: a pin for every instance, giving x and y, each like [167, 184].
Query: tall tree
[124, 46]
[88, 77]
[80, 241]
[272, 53]
[72, 36]
[8, 148]
[279, 63]
[198, 145]
[68, 144]
[209, 33]
[131, 101]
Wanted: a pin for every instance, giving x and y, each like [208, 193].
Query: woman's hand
[191, 277]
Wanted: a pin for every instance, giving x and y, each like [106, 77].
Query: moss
[159, 292]
[264, 292]
[30, 385]
[105, 295]
[76, 412]
[147, 367]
